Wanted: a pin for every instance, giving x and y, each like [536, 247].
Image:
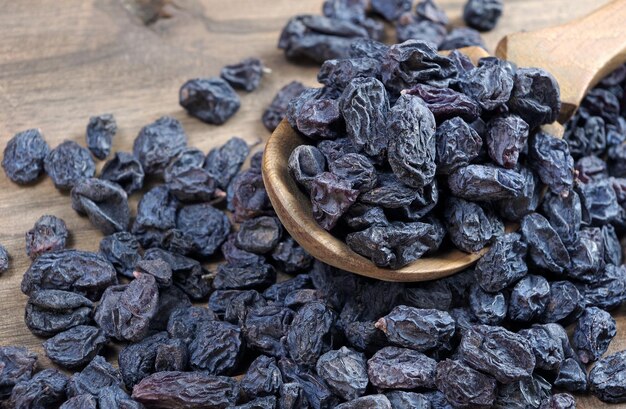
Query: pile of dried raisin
[408, 150]
[421, 149]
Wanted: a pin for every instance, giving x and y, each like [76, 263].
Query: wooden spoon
[578, 54]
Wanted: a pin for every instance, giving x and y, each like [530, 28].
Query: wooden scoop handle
[579, 53]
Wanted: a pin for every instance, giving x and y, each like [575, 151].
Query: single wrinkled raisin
[291, 396]
[103, 202]
[564, 215]
[506, 137]
[564, 303]
[100, 132]
[247, 196]
[516, 208]
[125, 170]
[48, 235]
[189, 158]
[338, 73]
[412, 147]
[487, 308]
[205, 226]
[535, 96]
[345, 372]
[310, 335]
[371, 401]
[244, 75]
[316, 115]
[82, 272]
[319, 38]
[223, 163]
[503, 263]
[551, 159]
[211, 100]
[157, 268]
[572, 376]
[357, 169]
[123, 252]
[262, 378]
[527, 393]
[400, 368]
[468, 225]
[330, 198]
[68, 163]
[229, 277]
[415, 328]
[586, 255]
[49, 312]
[365, 106]
[599, 203]
[446, 103]
[490, 84]
[457, 145]
[259, 235]
[529, 298]
[500, 353]
[125, 311]
[397, 244]
[76, 346]
[607, 379]
[192, 390]
[594, 332]
[482, 15]
[463, 385]
[216, 347]
[413, 62]
[608, 289]
[265, 327]
[483, 182]
[545, 248]
[24, 155]
[158, 143]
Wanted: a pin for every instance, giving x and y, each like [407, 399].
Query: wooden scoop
[578, 54]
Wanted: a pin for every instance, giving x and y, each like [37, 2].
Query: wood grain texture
[62, 61]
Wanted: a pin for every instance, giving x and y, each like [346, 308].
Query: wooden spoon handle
[579, 53]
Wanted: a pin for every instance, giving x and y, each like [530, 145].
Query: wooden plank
[62, 61]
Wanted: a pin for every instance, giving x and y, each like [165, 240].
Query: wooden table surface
[63, 61]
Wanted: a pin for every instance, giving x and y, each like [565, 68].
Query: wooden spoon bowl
[555, 49]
